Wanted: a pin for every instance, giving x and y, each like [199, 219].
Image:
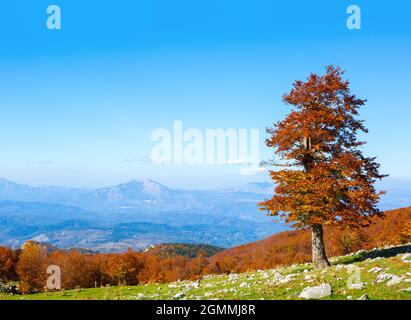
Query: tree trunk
[318, 249]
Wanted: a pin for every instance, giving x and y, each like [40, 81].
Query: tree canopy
[324, 177]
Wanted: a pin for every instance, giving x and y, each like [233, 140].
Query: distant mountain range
[137, 214]
[19, 192]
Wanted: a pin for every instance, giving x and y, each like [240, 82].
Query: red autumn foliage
[32, 268]
[327, 179]
[295, 246]
[8, 261]
[324, 178]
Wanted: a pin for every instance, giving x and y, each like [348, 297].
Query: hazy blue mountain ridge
[139, 213]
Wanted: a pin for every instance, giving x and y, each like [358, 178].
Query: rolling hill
[131, 215]
[137, 214]
[290, 247]
[382, 277]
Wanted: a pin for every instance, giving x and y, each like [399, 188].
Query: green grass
[259, 284]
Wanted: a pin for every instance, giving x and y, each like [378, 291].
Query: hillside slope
[191, 251]
[295, 246]
[350, 277]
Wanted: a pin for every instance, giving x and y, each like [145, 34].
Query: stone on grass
[179, 295]
[406, 257]
[383, 277]
[318, 292]
[394, 280]
[375, 270]
[233, 276]
[140, 296]
[356, 286]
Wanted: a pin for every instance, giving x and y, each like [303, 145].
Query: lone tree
[324, 177]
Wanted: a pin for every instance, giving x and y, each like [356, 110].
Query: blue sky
[77, 102]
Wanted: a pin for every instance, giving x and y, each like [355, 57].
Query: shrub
[32, 268]
[8, 261]
[9, 287]
[405, 234]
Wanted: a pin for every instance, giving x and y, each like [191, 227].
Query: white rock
[391, 278]
[405, 257]
[194, 284]
[383, 277]
[318, 292]
[363, 297]
[394, 280]
[233, 276]
[179, 295]
[288, 278]
[375, 270]
[376, 259]
[357, 286]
